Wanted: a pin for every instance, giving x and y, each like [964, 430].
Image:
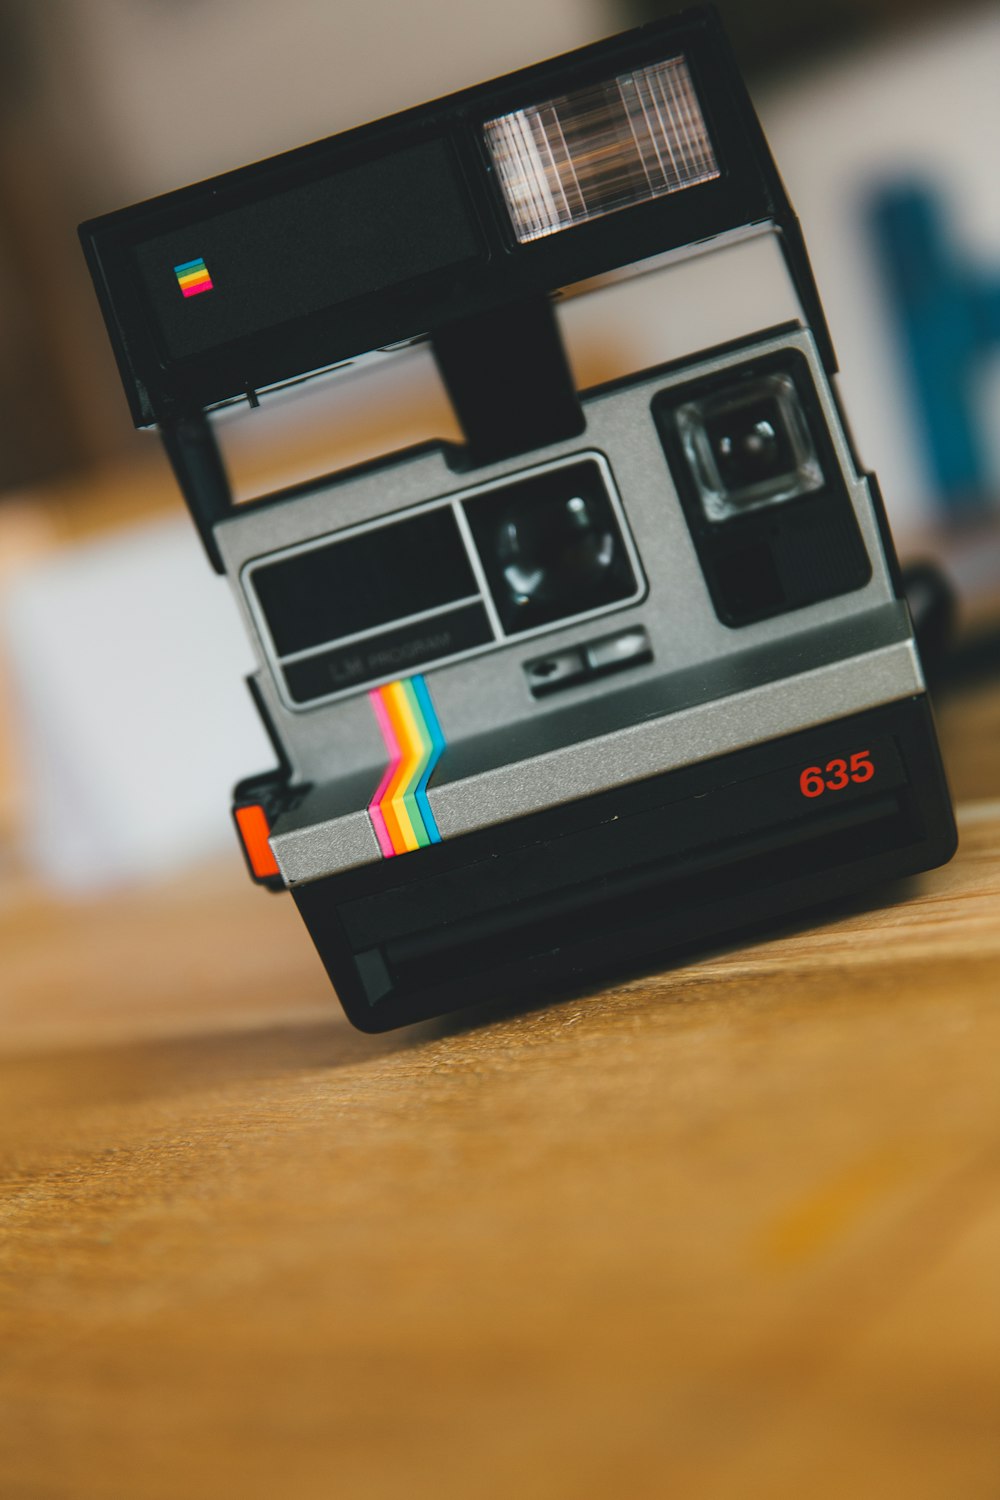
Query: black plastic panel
[390, 651]
[781, 556]
[598, 887]
[360, 582]
[319, 245]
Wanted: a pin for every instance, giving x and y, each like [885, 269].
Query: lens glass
[551, 546]
[748, 446]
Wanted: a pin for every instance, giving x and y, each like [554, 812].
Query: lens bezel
[802, 472]
[767, 559]
[540, 505]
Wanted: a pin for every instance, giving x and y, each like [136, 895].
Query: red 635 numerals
[836, 774]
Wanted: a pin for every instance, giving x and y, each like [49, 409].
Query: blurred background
[118, 745]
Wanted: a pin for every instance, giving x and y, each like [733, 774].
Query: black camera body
[628, 668]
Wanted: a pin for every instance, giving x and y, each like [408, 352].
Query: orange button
[254, 831]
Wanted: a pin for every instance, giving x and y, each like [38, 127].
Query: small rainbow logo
[400, 812]
[193, 277]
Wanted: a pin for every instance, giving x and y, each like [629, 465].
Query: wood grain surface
[732, 1230]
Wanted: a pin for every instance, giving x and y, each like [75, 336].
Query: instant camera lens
[749, 445]
[555, 555]
[551, 547]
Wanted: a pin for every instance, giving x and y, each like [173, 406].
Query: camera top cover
[413, 224]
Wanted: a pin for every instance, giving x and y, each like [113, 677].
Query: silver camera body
[631, 666]
[608, 692]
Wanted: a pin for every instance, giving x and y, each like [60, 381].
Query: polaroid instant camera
[628, 668]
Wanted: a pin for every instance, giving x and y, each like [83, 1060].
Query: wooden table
[728, 1231]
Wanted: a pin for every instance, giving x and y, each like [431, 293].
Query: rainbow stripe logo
[400, 812]
[193, 277]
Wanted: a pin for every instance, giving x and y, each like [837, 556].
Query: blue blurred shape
[947, 316]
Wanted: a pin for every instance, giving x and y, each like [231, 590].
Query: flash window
[621, 142]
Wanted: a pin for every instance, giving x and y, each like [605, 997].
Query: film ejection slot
[612, 653]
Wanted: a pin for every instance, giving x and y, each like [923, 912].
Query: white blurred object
[131, 718]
